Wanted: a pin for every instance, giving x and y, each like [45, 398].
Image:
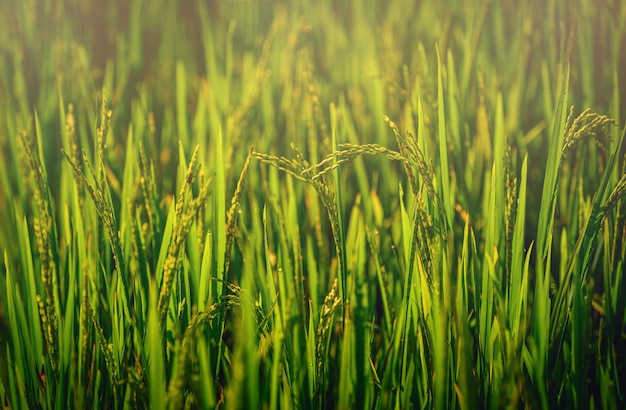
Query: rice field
[313, 204]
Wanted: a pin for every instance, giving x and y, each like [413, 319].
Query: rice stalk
[301, 169]
[184, 372]
[322, 339]
[233, 211]
[185, 211]
[104, 208]
[106, 348]
[44, 230]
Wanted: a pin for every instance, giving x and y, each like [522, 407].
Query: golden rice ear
[586, 124]
[45, 237]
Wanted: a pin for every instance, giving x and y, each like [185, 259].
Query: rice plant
[312, 204]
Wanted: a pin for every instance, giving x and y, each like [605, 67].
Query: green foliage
[316, 204]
